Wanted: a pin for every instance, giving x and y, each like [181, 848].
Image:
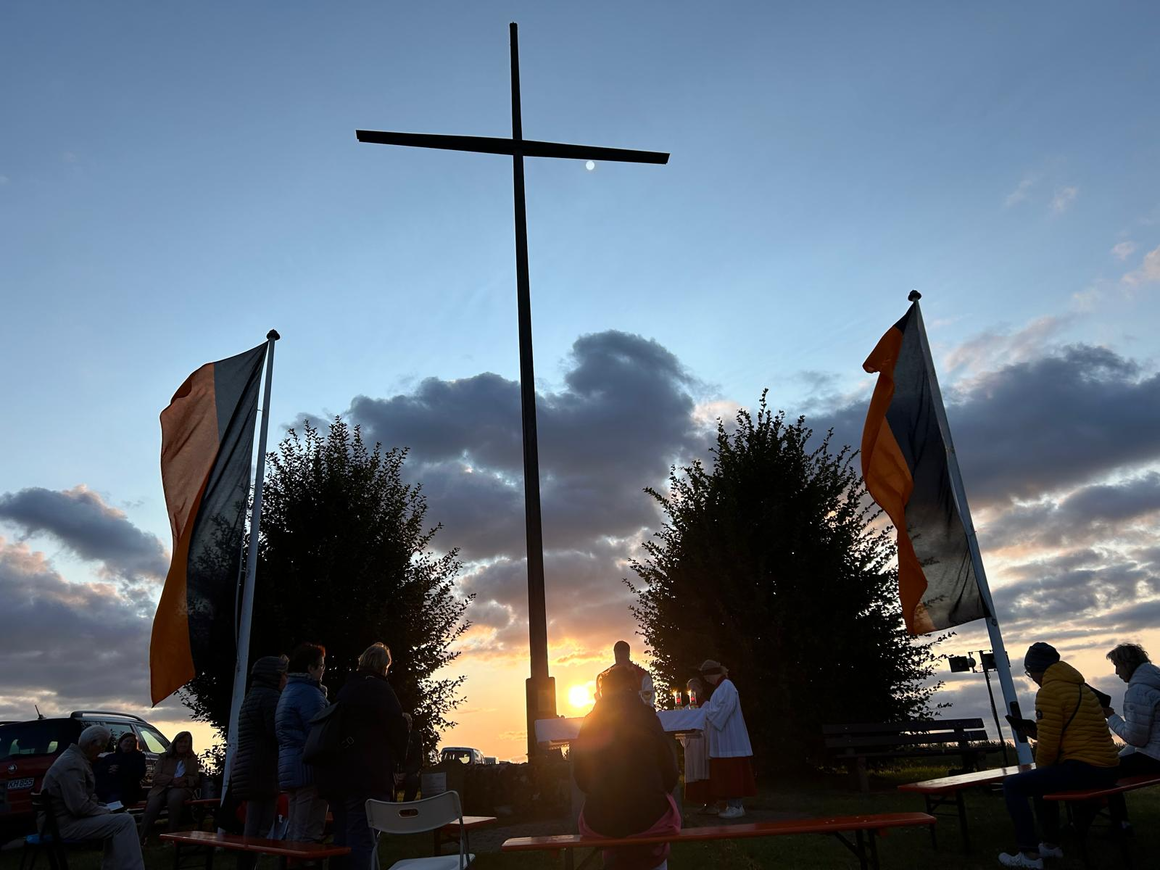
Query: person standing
[697, 790]
[254, 772]
[625, 765]
[408, 773]
[622, 657]
[1073, 751]
[373, 726]
[303, 698]
[70, 787]
[175, 777]
[119, 775]
[730, 752]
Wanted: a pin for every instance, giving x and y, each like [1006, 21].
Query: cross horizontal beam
[511, 147]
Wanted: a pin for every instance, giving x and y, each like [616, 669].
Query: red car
[28, 749]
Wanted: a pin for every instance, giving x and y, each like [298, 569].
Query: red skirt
[731, 778]
[698, 792]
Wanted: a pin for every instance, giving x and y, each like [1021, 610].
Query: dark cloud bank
[1054, 447]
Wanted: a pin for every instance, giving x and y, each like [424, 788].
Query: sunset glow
[582, 697]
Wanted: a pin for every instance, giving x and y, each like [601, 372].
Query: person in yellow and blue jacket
[1073, 751]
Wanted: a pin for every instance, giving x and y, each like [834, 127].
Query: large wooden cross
[541, 691]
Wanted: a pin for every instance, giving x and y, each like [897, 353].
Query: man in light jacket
[70, 786]
[303, 698]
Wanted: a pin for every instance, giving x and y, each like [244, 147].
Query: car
[461, 755]
[28, 749]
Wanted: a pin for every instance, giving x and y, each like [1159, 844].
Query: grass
[823, 795]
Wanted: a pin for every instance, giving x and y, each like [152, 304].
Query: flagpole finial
[273, 333]
[914, 296]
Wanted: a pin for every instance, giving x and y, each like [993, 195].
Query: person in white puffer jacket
[1139, 727]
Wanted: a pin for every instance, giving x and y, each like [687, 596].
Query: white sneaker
[732, 812]
[1018, 859]
[1046, 851]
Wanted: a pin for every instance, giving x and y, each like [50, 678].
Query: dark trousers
[1065, 776]
[409, 787]
[1135, 764]
[351, 829]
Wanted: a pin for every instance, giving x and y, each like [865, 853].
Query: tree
[772, 562]
[345, 560]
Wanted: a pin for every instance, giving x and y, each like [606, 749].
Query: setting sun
[582, 697]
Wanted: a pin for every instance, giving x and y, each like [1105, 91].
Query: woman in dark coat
[627, 769]
[119, 775]
[254, 770]
[373, 722]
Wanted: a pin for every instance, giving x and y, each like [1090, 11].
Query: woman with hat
[730, 753]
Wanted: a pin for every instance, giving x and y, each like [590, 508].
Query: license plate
[14, 784]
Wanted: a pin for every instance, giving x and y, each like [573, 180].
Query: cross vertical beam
[541, 688]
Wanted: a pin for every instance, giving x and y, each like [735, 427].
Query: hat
[709, 666]
[1040, 656]
[269, 665]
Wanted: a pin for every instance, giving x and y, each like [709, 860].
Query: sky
[176, 180]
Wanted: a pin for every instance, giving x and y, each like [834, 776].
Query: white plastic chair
[414, 817]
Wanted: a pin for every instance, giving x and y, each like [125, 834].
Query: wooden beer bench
[946, 790]
[286, 851]
[866, 829]
[853, 744]
[450, 833]
[1083, 822]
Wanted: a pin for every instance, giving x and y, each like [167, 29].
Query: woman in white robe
[697, 789]
[730, 753]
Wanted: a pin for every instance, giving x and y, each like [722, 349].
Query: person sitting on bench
[1073, 751]
[1139, 727]
[175, 776]
[626, 767]
[70, 787]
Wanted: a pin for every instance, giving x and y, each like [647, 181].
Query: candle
[677, 698]
[692, 697]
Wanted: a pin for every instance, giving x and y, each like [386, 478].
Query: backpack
[327, 737]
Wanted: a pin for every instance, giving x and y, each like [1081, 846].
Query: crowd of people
[1074, 750]
[383, 755]
[623, 761]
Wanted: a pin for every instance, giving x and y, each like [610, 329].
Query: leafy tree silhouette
[772, 562]
[345, 559]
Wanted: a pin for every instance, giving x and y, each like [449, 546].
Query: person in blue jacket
[302, 699]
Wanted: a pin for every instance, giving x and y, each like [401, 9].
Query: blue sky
[176, 180]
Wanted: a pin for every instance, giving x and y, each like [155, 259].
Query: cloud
[80, 520]
[1019, 194]
[1123, 250]
[1063, 199]
[1043, 425]
[1085, 516]
[68, 645]
[1149, 271]
[624, 414]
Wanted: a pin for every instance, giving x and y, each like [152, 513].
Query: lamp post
[965, 664]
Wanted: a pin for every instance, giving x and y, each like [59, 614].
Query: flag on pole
[904, 465]
[207, 437]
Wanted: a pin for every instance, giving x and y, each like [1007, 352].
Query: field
[817, 796]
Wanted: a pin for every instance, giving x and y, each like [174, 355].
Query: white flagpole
[242, 667]
[1002, 665]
